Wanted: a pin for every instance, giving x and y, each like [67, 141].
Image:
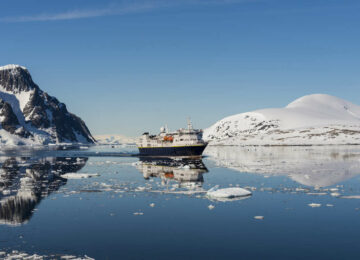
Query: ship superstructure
[183, 142]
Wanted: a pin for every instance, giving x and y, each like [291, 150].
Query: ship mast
[189, 124]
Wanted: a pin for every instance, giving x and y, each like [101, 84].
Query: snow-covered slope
[29, 115]
[114, 139]
[310, 120]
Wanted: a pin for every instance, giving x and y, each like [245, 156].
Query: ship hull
[195, 150]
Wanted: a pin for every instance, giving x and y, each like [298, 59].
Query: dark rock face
[41, 111]
[16, 79]
[10, 122]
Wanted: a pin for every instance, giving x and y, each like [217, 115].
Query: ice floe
[351, 197]
[314, 205]
[15, 255]
[79, 175]
[335, 194]
[227, 193]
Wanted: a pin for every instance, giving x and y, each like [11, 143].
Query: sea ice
[79, 175]
[211, 207]
[259, 217]
[314, 205]
[351, 197]
[335, 194]
[227, 192]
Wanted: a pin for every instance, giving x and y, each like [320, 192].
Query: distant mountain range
[114, 139]
[310, 120]
[30, 116]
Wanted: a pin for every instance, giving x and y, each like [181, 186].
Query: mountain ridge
[28, 115]
[309, 120]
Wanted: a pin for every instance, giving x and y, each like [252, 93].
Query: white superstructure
[180, 138]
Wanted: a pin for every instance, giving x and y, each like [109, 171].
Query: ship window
[181, 139]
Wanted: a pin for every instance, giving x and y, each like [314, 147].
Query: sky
[126, 67]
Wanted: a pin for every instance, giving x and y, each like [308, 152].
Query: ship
[183, 142]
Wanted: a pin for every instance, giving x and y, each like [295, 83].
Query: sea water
[305, 203]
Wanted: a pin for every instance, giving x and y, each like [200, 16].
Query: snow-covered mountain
[114, 139]
[310, 120]
[29, 115]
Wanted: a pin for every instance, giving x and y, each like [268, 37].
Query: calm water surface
[146, 209]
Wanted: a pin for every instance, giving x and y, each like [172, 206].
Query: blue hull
[173, 151]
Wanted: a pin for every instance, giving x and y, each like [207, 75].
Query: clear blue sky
[130, 66]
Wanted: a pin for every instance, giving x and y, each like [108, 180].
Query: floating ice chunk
[301, 189]
[152, 205]
[138, 213]
[317, 193]
[211, 207]
[314, 205]
[335, 194]
[227, 192]
[68, 257]
[329, 205]
[79, 175]
[6, 192]
[351, 197]
[259, 217]
[140, 188]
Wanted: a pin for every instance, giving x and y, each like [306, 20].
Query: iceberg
[227, 193]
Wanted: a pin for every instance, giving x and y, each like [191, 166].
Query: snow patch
[12, 67]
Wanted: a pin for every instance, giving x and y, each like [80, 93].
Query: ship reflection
[187, 173]
[24, 182]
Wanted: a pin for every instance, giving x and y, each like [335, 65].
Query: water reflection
[188, 173]
[25, 181]
[312, 166]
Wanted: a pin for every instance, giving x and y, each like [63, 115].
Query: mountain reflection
[188, 173]
[317, 166]
[25, 181]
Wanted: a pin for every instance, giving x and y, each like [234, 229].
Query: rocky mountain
[29, 115]
[310, 120]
